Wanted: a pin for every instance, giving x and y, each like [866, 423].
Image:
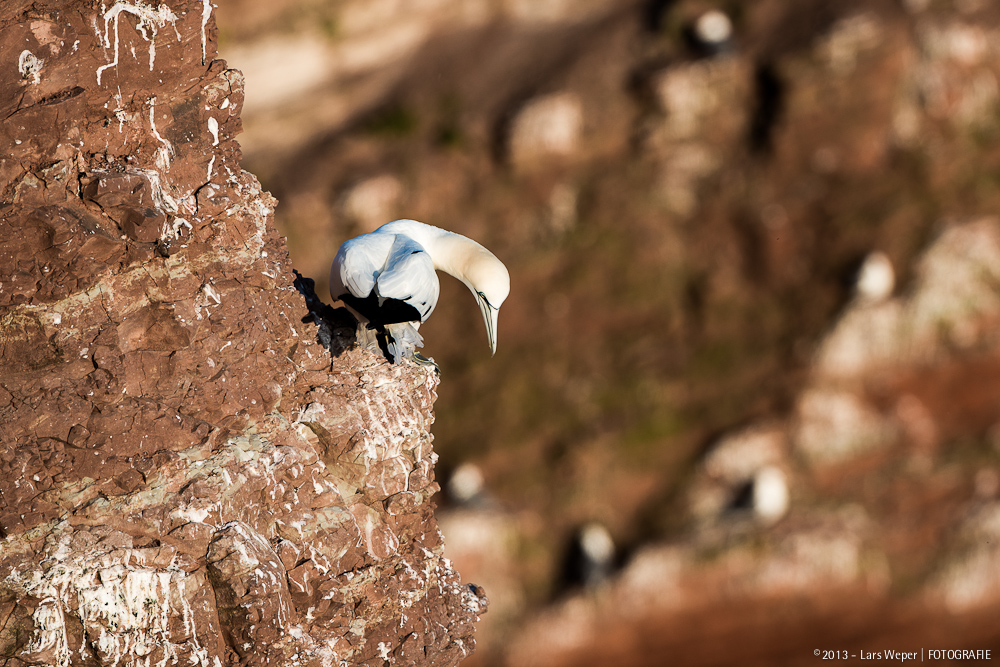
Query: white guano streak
[164, 152]
[213, 129]
[206, 12]
[150, 20]
[125, 607]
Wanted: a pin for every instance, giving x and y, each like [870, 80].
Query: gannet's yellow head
[463, 258]
[489, 281]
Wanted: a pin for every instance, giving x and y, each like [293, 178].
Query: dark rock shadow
[337, 327]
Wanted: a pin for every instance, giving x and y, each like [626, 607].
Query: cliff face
[187, 473]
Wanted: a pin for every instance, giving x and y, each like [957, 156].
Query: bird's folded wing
[408, 275]
[359, 261]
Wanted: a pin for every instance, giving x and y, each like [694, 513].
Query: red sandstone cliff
[186, 473]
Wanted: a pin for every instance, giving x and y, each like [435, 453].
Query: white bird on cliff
[387, 279]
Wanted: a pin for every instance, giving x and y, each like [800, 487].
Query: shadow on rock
[337, 326]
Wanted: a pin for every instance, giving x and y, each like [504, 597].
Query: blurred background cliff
[746, 402]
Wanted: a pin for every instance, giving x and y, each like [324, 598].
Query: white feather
[358, 263]
[408, 275]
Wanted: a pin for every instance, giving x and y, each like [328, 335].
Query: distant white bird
[590, 559]
[770, 494]
[387, 279]
[876, 279]
[713, 28]
[466, 484]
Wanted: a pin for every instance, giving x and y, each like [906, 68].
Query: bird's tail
[404, 339]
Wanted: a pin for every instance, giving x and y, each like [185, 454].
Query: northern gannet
[387, 279]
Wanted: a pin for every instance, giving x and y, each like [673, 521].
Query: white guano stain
[150, 20]
[164, 152]
[206, 13]
[161, 198]
[383, 650]
[213, 129]
[29, 65]
[213, 294]
[174, 231]
[125, 607]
